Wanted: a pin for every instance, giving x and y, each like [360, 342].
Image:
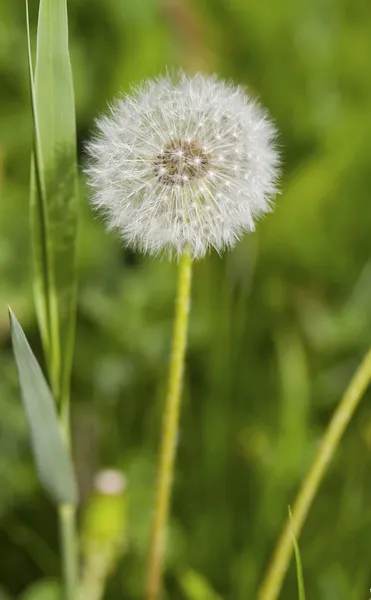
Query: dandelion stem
[169, 429]
[273, 581]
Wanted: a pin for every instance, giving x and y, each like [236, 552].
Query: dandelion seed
[170, 158]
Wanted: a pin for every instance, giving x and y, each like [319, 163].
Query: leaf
[299, 568]
[49, 448]
[38, 202]
[54, 191]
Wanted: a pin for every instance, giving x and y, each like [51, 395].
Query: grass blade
[49, 448]
[38, 204]
[54, 197]
[299, 567]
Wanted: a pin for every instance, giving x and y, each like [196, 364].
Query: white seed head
[183, 162]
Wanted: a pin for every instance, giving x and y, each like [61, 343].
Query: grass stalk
[272, 584]
[67, 526]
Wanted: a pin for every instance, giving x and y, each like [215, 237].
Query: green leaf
[54, 191]
[38, 203]
[299, 568]
[49, 448]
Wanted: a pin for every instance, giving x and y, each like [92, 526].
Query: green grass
[278, 326]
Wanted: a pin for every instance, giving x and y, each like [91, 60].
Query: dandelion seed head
[183, 162]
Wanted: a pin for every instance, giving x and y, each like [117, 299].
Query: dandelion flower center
[181, 162]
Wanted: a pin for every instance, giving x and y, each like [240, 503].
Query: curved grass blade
[299, 567]
[54, 198]
[49, 447]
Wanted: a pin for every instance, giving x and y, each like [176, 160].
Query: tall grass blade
[39, 214]
[54, 194]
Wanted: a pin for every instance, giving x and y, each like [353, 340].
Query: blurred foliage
[277, 328]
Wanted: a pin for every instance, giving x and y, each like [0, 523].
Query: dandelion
[183, 163]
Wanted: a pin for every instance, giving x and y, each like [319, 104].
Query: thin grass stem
[67, 527]
[272, 584]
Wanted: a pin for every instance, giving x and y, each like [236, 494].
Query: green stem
[67, 521]
[273, 581]
[67, 514]
[169, 429]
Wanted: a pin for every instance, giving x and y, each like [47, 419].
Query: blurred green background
[278, 325]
